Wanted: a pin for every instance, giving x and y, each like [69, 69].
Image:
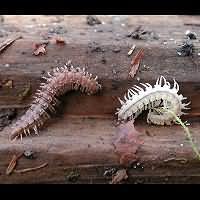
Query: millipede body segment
[150, 97]
[58, 82]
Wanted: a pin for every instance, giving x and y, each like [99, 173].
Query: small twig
[31, 169]
[13, 163]
[119, 176]
[190, 24]
[186, 129]
[182, 160]
[8, 42]
[131, 50]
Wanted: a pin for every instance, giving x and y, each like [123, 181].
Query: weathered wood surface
[81, 135]
[96, 51]
[86, 146]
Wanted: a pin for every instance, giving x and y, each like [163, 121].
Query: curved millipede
[60, 81]
[161, 94]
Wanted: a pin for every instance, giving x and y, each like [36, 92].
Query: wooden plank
[80, 136]
[28, 69]
[86, 145]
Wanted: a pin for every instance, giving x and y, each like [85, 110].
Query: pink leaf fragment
[135, 63]
[127, 143]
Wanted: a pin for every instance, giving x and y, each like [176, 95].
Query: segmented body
[60, 81]
[161, 94]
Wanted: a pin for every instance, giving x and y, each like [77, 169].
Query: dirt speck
[6, 117]
[116, 49]
[103, 60]
[1, 19]
[95, 47]
[57, 30]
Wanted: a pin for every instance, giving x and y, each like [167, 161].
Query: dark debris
[191, 35]
[140, 34]
[6, 117]
[72, 176]
[57, 30]
[103, 60]
[92, 20]
[2, 19]
[29, 154]
[110, 172]
[186, 49]
[95, 47]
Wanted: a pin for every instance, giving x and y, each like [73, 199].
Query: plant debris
[73, 176]
[6, 116]
[9, 84]
[6, 83]
[191, 35]
[40, 48]
[181, 160]
[29, 154]
[140, 34]
[186, 48]
[60, 40]
[13, 163]
[131, 50]
[95, 47]
[8, 42]
[148, 133]
[92, 20]
[25, 93]
[127, 143]
[135, 63]
[119, 176]
[110, 172]
[57, 30]
[31, 168]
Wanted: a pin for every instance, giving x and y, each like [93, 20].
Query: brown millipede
[58, 82]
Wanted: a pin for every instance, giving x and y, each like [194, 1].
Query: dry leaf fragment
[119, 176]
[13, 164]
[127, 143]
[39, 48]
[135, 63]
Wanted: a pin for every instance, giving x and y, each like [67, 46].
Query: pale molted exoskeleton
[149, 97]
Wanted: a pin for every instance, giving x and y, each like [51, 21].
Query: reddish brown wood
[79, 138]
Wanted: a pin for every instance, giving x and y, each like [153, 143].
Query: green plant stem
[186, 129]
